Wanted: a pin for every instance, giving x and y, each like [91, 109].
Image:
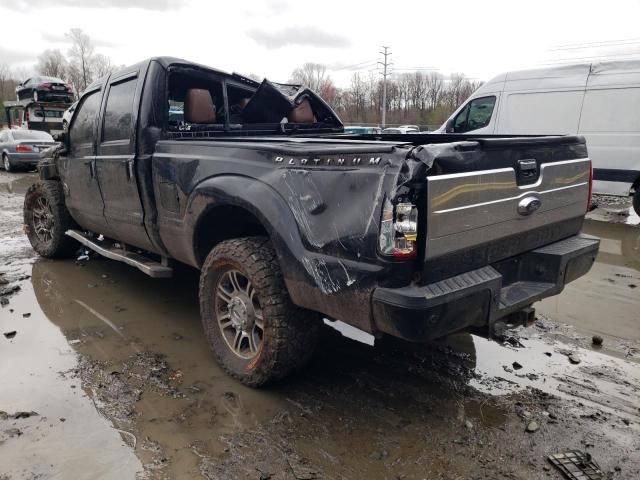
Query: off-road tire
[636, 200]
[59, 245]
[290, 333]
[6, 163]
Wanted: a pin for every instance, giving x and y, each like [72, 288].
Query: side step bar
[150, 267]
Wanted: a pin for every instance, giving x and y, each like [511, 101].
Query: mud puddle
[122, 359]
[606, 301]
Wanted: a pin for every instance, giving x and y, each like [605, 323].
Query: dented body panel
[478, 209]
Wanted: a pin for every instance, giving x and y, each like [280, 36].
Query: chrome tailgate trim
[473, 208]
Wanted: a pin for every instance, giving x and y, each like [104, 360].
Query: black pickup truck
[290, 220]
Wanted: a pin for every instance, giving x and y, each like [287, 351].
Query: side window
[82, 128]
[118, 115]
[460, 122]
[477, 114]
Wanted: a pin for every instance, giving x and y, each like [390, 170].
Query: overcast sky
[272, 37]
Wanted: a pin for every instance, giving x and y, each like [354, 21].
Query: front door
[116, 161]
[78, 171]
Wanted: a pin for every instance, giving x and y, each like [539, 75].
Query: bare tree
[101, 65]
[81, 56]
[312, 75]
[52, 63]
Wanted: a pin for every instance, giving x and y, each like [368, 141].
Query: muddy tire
[257, 334]
[46, 218]
[636, 200]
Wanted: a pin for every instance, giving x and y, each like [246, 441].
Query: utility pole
[386, 53]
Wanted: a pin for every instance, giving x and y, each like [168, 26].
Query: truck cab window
[82, 128]
[476, 114]
[118, 115]
[194, 98]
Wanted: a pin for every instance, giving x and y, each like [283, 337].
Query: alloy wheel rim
[43, 221]
[239, 314]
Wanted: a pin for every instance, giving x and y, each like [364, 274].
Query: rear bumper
[24, 159]
[480, 297]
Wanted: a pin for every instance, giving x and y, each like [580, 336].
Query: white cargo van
[600, 101]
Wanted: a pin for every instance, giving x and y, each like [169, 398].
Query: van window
[541, 113]
[118, 114]
[82, 128]
[611, 110]
[476, 114]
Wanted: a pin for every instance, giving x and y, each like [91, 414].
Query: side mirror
[448, 128]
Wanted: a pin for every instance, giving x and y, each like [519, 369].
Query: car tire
[46, 220]
[636, 200]
[6, 163]
[274, 336]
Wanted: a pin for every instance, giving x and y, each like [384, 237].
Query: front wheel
[257, 334]
[636, 200]
[46, 220]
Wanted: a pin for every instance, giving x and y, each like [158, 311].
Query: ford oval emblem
[528, 205]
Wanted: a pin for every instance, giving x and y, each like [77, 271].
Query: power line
[589, 44]
[355, 66]
[593, 57]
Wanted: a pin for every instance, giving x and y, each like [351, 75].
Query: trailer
[31, 115]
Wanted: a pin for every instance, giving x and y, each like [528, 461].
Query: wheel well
[223, 223]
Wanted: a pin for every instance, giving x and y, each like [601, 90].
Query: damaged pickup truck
[290, 220]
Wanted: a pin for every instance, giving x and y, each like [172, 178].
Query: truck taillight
[24, 148]
[398, 230]
[590, 185]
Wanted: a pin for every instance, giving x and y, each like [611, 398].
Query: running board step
[150, 267]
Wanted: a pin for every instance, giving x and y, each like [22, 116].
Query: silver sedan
[23, 148]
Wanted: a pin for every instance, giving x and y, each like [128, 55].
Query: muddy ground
[104, 373]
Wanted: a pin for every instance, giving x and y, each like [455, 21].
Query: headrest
[302, 113]
[199, 107]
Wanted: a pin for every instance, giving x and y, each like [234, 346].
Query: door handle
[129, 166]
[92, 166]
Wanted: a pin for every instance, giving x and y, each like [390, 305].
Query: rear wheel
[257, 334]
[46, 220]
[6, 163]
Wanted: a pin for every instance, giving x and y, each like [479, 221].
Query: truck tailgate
[474, 208]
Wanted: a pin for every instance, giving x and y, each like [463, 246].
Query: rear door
[116, 159]
[82, 193]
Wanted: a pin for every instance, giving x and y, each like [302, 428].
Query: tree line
[420, 98]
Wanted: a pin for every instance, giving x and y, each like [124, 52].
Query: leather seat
[199, 106]
[302, 113]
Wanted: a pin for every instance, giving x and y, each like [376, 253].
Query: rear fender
[334, 286]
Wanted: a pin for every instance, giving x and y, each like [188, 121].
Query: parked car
[291, 222]
[353, 129]
[400, 130]
[66, 116]
[43, 116]
[598, 101]
[410, 128]
[22, 148]
[45, 89]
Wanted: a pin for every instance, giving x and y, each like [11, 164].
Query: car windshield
[32, 135]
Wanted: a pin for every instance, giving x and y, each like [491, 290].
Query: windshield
[32, 135]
